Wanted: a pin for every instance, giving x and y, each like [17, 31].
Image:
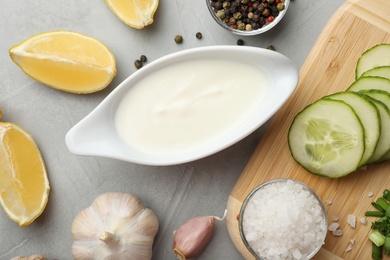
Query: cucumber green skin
[383, 144]
[369, 116]
[383, 71]
[382, 97]
[368, 83]
[328, 109]
[379, 95]
[376, 56]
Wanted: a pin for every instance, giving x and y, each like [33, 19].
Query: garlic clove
[193, 236]
[115, 226]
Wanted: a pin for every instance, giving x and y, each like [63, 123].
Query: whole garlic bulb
[116, 226]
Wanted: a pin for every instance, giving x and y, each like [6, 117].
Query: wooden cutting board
[329, 68]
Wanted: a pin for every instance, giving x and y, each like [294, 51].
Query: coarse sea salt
[352, 221]
[284, 220]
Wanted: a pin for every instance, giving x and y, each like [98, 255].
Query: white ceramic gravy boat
[96, 134]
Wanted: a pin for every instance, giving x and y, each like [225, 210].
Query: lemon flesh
[134, 13]
[24, 186]
[67, 61]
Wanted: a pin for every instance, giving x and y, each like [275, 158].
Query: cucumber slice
[327, 138]
[382, 100]
[369, 116]
[367, 83]
[376, 56]
[378, 94]
[383, 72]
[384, 141]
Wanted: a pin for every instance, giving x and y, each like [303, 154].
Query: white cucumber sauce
[188, 104]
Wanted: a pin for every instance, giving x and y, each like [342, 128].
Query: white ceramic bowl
[96, 134]
[261, 30]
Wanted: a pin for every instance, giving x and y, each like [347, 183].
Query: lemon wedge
[66, 61]
[134, 13]
[24, 186]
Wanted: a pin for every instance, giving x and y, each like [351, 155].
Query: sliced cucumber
[382, 100]
[367, 83]
[378, 94]
[327, 138]
[369, 116]
[384, 158]
[384, 141]
[339, 133]
[376, 56]
[383, 72]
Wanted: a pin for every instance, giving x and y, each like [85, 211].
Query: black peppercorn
[143, 58]
[138, 64]
[240, 42]
[218, 5]
[255, 26]
[252, 13]
[199, 35]
[262, 21]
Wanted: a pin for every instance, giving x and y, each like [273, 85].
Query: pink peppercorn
[270, 19]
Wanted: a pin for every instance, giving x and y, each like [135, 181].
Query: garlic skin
[115, 226]
[193, 236]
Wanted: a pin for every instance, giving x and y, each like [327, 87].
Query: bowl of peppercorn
[247, 17]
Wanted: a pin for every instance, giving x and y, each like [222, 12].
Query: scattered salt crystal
[296, 254]
[352, 242]
[337, 232]
[370, 194]
[335, 219]
[352, 221]
[363, 220]
[250, 236]
[285, 221]
[328, 202]
[333, 227]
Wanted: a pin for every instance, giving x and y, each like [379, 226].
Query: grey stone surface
[175, 193]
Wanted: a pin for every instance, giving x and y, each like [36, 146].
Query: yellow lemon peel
[66, 61]
[24, 186]
[134, 13]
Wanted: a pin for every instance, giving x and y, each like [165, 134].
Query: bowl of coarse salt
[283, 219]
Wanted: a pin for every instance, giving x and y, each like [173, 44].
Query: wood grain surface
[329, 68]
